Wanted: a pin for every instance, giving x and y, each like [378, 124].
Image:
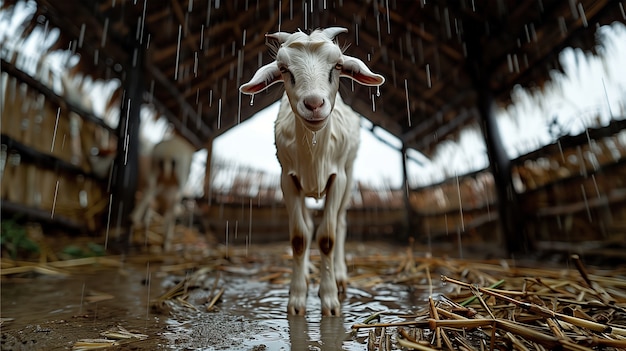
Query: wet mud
[42, 312]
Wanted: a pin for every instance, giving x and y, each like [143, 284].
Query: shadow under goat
[170, 164]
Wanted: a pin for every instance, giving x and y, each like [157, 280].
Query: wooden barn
[448, 68]
[512, 193]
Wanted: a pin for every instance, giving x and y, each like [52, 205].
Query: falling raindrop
[54, 134]
[562, 26]
[202, 36]
[458, 189]
[106, 236]
[378, 91]
[428, 82]
[373, 104]
[408, 107]
[558, 142]
[388, 21]
[180, 31]
[143, 21]
[252, 100]
[305, 15]
[280, 14]
[54, 200]
[104, 32]
[378, 29]
[219, 113]
[81, 36]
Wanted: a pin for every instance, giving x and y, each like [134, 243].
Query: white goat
[317, 137]
[170, 163]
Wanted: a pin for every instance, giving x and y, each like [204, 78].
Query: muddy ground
[60, 308]
[210, 297]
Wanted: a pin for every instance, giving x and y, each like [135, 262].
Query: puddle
[52, 313]
[252, 316]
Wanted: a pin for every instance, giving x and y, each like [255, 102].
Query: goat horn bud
[332, 32]
[280, 36]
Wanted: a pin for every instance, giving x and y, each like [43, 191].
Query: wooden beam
[126, 163]
[39, 158]
[447, 128]
[51, 95]
[174, 92]
[431, 122]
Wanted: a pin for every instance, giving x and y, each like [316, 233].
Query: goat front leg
[139, 212]
[326, 239]
[169, 221]
[300, 233]
[341, 271]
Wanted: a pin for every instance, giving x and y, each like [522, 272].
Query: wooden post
[125, 166]
[514, 236]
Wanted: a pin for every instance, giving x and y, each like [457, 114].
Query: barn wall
[46, 144]
[573, 191]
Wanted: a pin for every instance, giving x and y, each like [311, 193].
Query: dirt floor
[138, 302]
[211, 296]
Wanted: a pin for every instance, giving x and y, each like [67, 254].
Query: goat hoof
[296, 306]
[294, 311]
[334, 311]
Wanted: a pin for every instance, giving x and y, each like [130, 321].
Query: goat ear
[263, 78]
[357, 70]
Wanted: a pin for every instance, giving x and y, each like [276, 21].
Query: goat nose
[313, 102]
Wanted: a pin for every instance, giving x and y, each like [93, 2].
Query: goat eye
[284, 70]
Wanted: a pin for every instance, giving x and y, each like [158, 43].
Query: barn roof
[197, 53]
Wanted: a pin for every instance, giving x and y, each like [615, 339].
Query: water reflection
[328, 334]
[265, 305]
